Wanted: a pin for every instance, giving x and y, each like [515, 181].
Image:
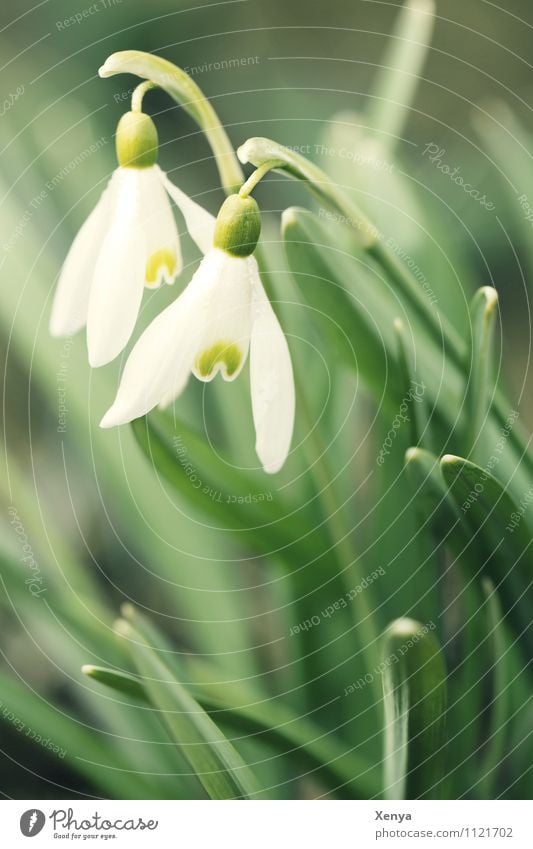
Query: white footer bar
[266, 825]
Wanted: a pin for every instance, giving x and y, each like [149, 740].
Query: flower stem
[260, 150]
[164, 74]
[138, 94]
[257, 175]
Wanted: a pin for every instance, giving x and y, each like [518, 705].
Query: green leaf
[414, 692]
[343, 304]
[407, 389]
[216, 763]
[508, 145]
[499, 699]
[226, 494]
[88, 753]
[473, 655]
[246, 707]
[445, 338]
[479, 390]
[262, 151]
[398, 75]
[499, 532]
[247, 710]
[355, 312]
[433, 500]
[122, 682]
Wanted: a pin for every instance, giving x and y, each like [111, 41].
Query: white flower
[129, 241]
[223, 313]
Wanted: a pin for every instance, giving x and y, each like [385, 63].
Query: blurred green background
[100, 522]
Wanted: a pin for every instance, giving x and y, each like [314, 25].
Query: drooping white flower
[129, 241]
[222, 315]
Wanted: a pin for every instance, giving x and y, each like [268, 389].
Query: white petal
[206, 329]
[272, 383]
[162, 241]
[69, 310]
[200, 223]
[160, 363]
[223, 283]
[117, 287]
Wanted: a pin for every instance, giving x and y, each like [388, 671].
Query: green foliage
[255, 638]
[414, 691]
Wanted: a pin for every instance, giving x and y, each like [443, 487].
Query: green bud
[238, 226]
[136, 141]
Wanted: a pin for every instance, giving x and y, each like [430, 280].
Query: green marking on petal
[164, 257]
[221, 353]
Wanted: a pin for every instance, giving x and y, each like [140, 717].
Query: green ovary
[227, 353]
[164, 257]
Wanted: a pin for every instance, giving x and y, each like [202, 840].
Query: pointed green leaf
[499, 531]
[398, 75]
[432, 497]
[245, 707]
[408, 384]
[216, 763]
[479, 390]
[414, 692]
[343, 304]
[499, 699]
[122, 682]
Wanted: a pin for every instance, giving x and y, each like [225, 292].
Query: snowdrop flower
[222, 315]
[129, 241]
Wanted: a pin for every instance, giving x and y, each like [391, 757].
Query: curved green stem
[257, 175]
[182, 89]
[138, 94]
[261, 150]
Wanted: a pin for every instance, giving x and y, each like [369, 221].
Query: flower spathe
[129, 241]
[221, 316]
